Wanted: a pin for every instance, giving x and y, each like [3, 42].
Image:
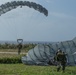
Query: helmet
[59, 50]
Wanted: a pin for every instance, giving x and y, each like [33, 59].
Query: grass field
[21, 69]
[11, 50]
[14, 53]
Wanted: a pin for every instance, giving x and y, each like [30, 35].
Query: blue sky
[30, 25]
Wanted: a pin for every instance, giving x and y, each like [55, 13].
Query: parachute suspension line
[14, 4]
[42, 21]
[18, 33]
[12, 28]
[8, 28]
[16, 27]
[3, 23]
[31, 17]
[34, 18]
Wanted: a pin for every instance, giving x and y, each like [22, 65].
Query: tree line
[14, 46]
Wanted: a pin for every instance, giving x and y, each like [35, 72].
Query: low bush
[12, 60]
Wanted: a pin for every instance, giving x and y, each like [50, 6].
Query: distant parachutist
[19, 46]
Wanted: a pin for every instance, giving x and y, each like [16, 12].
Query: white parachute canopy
[42, 54]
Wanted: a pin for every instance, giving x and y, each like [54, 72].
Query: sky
[30, 25]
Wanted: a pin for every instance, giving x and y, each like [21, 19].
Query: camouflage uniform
[19, 48]
[61, 60]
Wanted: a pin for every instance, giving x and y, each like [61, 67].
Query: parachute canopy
[14, 4]
[42, 54]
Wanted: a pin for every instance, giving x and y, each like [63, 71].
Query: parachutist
[61, 60]
[19, 45]
[19, 48]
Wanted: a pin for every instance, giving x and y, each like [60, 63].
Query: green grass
[21, 69]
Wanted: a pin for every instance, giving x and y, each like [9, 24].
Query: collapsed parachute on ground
[14, 4]
[42, 54]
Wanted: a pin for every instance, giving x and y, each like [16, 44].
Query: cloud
[61, 15]
[48, 1]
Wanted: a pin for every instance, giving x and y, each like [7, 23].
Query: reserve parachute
[14, 4]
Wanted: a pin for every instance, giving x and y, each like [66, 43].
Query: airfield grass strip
[21, 69]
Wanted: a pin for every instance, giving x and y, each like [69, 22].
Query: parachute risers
[19, 41]
[14, 4]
